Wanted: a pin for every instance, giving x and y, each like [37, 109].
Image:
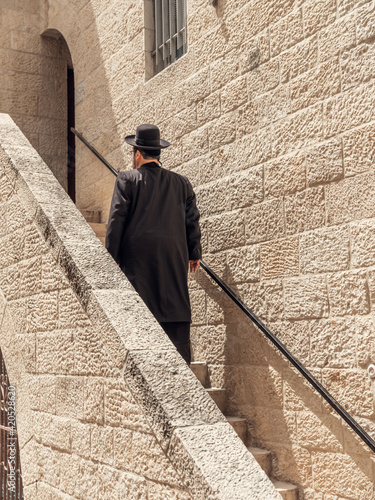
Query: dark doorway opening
[71, 137]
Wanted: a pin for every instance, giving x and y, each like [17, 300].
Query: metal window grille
[170, 32]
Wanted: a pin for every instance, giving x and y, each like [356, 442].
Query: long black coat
[153, 232]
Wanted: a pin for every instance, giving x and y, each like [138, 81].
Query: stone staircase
[288, 491]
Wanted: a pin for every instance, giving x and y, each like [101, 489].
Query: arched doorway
[57, 142]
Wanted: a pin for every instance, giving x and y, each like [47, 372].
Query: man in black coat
[153, 234]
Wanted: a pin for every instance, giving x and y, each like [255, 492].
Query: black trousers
[179, 333]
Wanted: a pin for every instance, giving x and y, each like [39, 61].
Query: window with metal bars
[169, 32]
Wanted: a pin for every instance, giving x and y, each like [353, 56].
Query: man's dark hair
[149, 154]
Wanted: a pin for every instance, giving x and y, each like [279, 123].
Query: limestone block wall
[270, 114]
[33, 81]
[106, 407]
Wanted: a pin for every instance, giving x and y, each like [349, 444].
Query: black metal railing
[280, 346]
[11, 487]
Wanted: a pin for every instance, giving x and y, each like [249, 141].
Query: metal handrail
[280, 346]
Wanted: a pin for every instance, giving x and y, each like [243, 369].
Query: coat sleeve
[118, 217]
[193, 232]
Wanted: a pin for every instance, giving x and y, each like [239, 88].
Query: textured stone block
[348, 110]
[298, 131]
[363, 243]
[264, 78]
[351, 199]
[115, 484]
[305, 298]
[264, 221]
[226, 231]
[234, 94]
[208, 343]
[208, 109]
[286, 33]
[224, 70]
[279, 258]
[272, 106]
[102, 443]
[355, 475]
[333, 343]
[345, 6]
[222, 131]
[245, 188]
[195, 144]
[345, 385]
[213, 198]
[299, 59]
[243, 264]
[315, 85]
[365, 18]
[162, 492]
[69, 397]
[357, 66]
[140, 453]
[325, 250]
[42, 312]
[55, 352]
[266, 299]
[192, 449]
[285, 175]
[348, 294]
[80, 438]
[120, 407]
[295, 335]
[318, 14]
[320, 432]
[338, 37]
[324, 163]
[254, 148]
[168, 408]
[305, 211]
[358, 147]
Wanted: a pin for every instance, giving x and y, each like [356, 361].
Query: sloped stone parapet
[105, 403]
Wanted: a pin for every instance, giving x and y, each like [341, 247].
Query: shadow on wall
[284, 413]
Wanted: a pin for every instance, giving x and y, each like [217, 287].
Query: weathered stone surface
[317, 14]
[226, 231]
[279, 258]
[315, 85]
[299, 59]
[324, 163]
[358, 147]
[167, 409]
[333, 343]
[305, 298]
[324, 250]
[264, 221]
[285, 175]
[243, 264]
[348, 294]
[350, 199]
[193, 442]
[305, 210]
[357, 484]
[362, 243]
[338, 37]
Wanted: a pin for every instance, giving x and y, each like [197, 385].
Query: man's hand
[194, 264]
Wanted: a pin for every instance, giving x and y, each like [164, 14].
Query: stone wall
[106, 407]
[33, 81]
[271, 116]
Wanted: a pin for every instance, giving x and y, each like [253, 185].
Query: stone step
[200, 370]
[99, 229]
[220, 397]
[239, 424]
[92, 215]
[288, 491]
[263, 457]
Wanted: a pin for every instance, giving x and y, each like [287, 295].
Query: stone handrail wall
[106, 408]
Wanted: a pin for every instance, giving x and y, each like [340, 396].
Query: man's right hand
[194, 264]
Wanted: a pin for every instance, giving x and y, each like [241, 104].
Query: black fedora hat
[147, 137]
